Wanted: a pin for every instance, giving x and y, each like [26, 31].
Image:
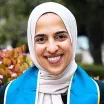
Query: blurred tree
[14, 27]
[13, 19]
[90, 19]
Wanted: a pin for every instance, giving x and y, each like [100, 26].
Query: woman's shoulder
[101, 87]
[2, 91]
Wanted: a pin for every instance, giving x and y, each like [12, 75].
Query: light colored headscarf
[51, 87]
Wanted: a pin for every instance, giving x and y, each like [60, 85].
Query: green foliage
[94, 70]
[15, 14]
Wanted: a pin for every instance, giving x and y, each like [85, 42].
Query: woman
[55, 77]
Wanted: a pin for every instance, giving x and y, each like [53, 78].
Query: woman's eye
[40, 40]
[61, 37]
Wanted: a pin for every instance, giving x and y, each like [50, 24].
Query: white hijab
[51, 87]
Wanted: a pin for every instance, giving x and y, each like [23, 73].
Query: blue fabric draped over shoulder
[83, 89]
[23, 90]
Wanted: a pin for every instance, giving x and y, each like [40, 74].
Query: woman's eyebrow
[39, 35]
[59, 32]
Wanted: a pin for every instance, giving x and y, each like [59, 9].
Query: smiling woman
[53, 48]
[55, 77]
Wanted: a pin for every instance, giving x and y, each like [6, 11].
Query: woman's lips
[54, 59]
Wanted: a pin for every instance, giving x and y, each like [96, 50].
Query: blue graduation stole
[83, 89]
[24, 89]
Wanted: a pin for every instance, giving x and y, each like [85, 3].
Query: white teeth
[54, 59]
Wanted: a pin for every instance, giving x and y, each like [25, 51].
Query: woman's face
[53, 48]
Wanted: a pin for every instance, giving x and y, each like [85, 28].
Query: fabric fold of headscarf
[51, 87]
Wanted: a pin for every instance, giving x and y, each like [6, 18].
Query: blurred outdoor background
[89, 15]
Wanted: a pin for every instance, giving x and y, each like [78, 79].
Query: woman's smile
[55, 59]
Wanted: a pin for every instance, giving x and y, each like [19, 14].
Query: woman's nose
[52, 47]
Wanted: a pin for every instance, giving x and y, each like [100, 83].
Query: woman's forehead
[50, 21]
[48, 14]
